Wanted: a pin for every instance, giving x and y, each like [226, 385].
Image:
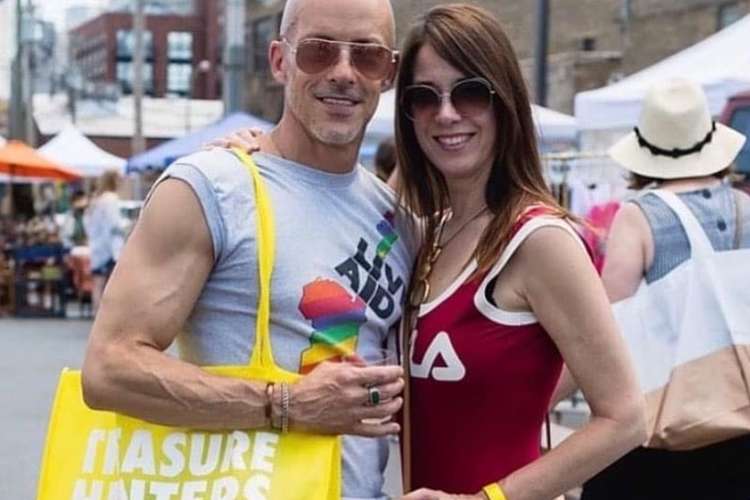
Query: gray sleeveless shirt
[343, 260]
[715, 210]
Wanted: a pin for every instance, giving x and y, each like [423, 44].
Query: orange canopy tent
[19, 160]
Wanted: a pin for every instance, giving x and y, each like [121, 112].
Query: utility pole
[139, 22]
[540, 52]
[234, 56]
[16, 84]
[28, 77]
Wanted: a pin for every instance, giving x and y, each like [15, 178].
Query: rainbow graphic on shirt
[336, 317]
[385, 228]
[336, 313]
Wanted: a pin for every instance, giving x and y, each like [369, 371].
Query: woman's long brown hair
[471, 40]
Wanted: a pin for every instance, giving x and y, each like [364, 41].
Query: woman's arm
[560, 285]
[565, 388]
[630, 252]
[565, 293]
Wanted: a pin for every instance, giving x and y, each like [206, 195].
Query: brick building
[176, 44]
[591, 42]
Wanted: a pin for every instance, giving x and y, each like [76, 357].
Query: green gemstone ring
[373, 394]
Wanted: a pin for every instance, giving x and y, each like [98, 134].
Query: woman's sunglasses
[468, 97]
[315, 55]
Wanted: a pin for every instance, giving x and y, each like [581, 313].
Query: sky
[54, 10]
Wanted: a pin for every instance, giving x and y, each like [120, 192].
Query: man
[190, 263]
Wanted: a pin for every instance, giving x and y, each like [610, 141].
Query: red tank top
[481, 382]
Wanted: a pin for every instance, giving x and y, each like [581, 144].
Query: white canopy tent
[2, 141]
[72, 148]
[720, 64]
[553, 127]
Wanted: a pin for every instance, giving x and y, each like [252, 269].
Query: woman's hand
[245, 139]
[428, 494]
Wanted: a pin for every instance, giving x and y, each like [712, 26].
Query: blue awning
[161, 156]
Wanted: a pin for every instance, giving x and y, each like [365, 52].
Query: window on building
[741, 121]
[125, 77]
[126, 44]
[124, 71]
[180, 46]
[148, 79]
[588, 43]
[179, 77]
[264, 31]
[729, 13]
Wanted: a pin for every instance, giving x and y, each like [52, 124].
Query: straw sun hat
[676, 137]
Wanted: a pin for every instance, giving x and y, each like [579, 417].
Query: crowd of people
[499, 310]
[91, 227]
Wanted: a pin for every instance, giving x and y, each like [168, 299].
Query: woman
[678, 149]
[505, 289]
[105, 228]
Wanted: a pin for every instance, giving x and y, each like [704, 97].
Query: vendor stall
[34, 257]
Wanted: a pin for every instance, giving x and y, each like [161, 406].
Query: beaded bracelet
[284, 407]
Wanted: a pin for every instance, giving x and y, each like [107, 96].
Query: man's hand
[428, 494]
[245, 139]
[334, 399]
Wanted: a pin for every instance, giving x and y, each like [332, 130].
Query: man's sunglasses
[314, 55]
[468, 97]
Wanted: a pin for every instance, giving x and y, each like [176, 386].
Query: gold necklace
[421, 285]
[463, 225]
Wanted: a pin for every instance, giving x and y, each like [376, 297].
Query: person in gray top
[188, 271]
[676, 147]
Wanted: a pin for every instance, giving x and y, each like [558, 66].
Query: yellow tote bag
[94, 455]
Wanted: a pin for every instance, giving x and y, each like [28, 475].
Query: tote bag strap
[699, 242]
[406, 327]
[738, 222]
[265, 244]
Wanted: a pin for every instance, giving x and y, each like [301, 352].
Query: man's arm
[156, 283]
[158, 279]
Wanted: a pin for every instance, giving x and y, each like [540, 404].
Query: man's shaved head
[289, 17]
[295, 11]
[331, 106]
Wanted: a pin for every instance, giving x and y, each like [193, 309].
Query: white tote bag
[689, 335]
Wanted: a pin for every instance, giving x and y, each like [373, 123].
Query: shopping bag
[97, 455]
[689, 336]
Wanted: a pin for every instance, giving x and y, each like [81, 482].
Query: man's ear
[277, 61]
[388, 81]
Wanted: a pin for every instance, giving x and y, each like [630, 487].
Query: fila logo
[440, 345]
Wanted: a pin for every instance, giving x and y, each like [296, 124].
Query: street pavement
[32, 353]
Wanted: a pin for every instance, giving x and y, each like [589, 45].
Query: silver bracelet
[284, 407]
